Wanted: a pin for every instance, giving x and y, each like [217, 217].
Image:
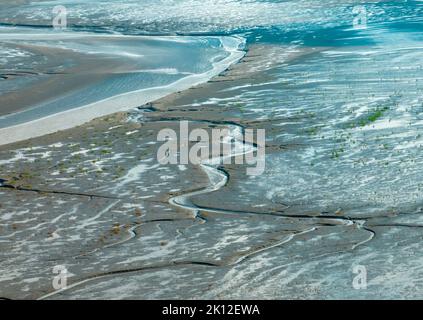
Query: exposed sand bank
[75, 77]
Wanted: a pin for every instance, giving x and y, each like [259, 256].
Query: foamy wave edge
[122, 102]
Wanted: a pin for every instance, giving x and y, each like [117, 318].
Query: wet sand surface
[51, 81]
[95, 199]
[56, 72]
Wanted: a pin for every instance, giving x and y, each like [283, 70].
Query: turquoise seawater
[310, 22]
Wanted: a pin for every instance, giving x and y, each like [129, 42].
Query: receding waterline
[15, 130]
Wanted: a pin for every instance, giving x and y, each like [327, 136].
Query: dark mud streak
[370, 230]
[402, 225]
[132, 231]
[6, 75]
[231, 261]
[133, 270]
[227, 80]
[68, 193]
